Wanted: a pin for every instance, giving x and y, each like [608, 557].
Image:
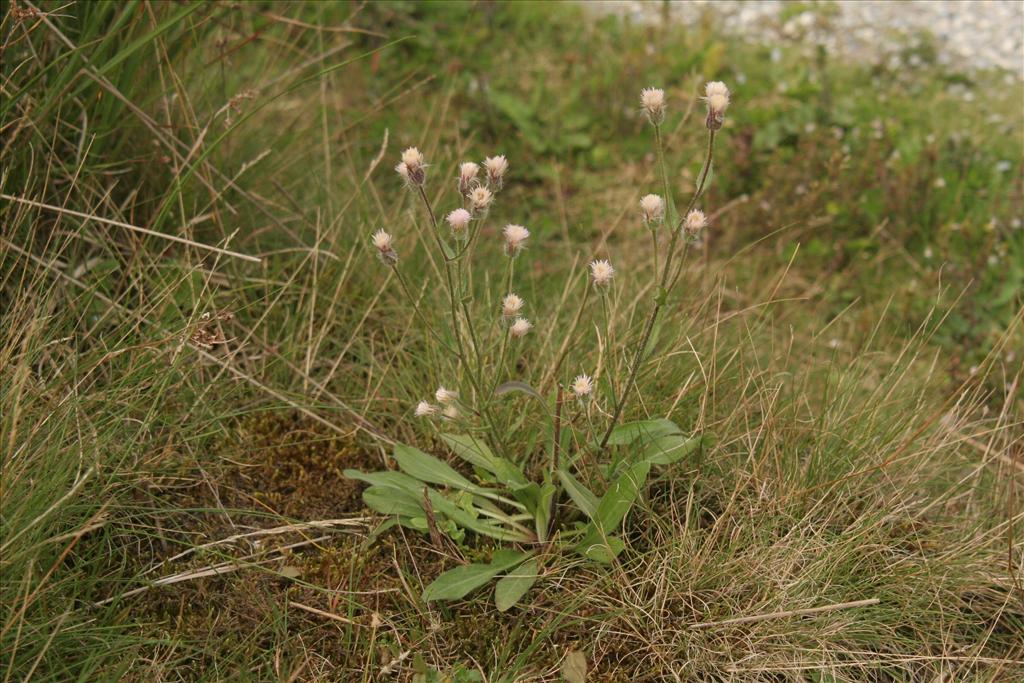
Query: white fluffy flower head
[583, 386]
[411, 167]
[601, 272]
[511, 305]
[520, 327]
[459, 221]
[446, 396]
[496, 167]
[716, 94]
[382, 241]
[480, 198]
[653, 101]
[653, 208]
[467, 175]
[425, 409]
[515, 238]
[695, 222]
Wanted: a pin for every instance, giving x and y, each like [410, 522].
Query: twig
[789, 613]
[320, 612]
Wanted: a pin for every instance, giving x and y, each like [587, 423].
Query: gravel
[969, 34]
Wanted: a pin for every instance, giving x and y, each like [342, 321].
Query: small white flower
[582, 386]
[695, 222]
[425, 409]
[515, 237]
[716, 94]
[653, 101]
[382, 240]
[467, 175]
[459, 221]
[451, 412]
[520, 327]
[446, 396]
[653, 208]
[601, 272]
[480, 198]
[511, 305]
[496, 167]
[412, 167]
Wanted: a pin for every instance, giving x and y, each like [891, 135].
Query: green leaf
[631, 432]
[574, 668]
[513, 586]
[584, 499]
[670, 448]
[619, 497]
[388, 501]
[521, 387]
[427, 468]
[542, 515]
[479, 454]
[387, 479]
[461, 581]
[603, 551]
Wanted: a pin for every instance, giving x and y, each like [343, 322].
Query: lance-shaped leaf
[670, 448]
[479, 454]
[513, 586]
[418, 464]
[614, 505]
[388, 501]
[461, 581]
[583, 497]
[643, 430]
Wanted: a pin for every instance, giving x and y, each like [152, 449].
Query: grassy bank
[850, 329]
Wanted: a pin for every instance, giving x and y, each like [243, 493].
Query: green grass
[851, 331]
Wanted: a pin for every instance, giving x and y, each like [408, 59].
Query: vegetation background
[851, 330]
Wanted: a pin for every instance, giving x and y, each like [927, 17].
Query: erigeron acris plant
[591, 474]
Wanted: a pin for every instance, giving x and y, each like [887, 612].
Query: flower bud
[515, 238]
[520, 327]
[653, 208]
[601, 272]
[467, 176]
[382, 241]
[496, 167]
[653, 101]
[459, 221]
[412, 167]
[716, 94]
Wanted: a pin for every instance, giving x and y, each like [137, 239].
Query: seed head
[412, 168]
[496, 167]
[425, 409]
[511, 305]
[716, 94]
[653, 101]
[653, 208]
[601, 272]
[459, 220]
[382, 241]
[446, 396]
[583, 386]
[520, 327]
[515, 237]
[467, 176]
[695, 222]
[480, 198]
[451, 412]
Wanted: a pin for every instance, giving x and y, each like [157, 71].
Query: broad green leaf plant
[567, 488]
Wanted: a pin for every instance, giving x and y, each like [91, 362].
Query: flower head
[515, 237]
[467, 176]
[412, 167]
[695, 222]
[446, 396]
[520, 327]
[653, 101]
[583, 386]
[716, 94]
[451, 412]
[496, 167]
[459, 220]
[601, 272]
[653, 208]
[382, 242]
[480, 198]
[511, 305]
[425, 409]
